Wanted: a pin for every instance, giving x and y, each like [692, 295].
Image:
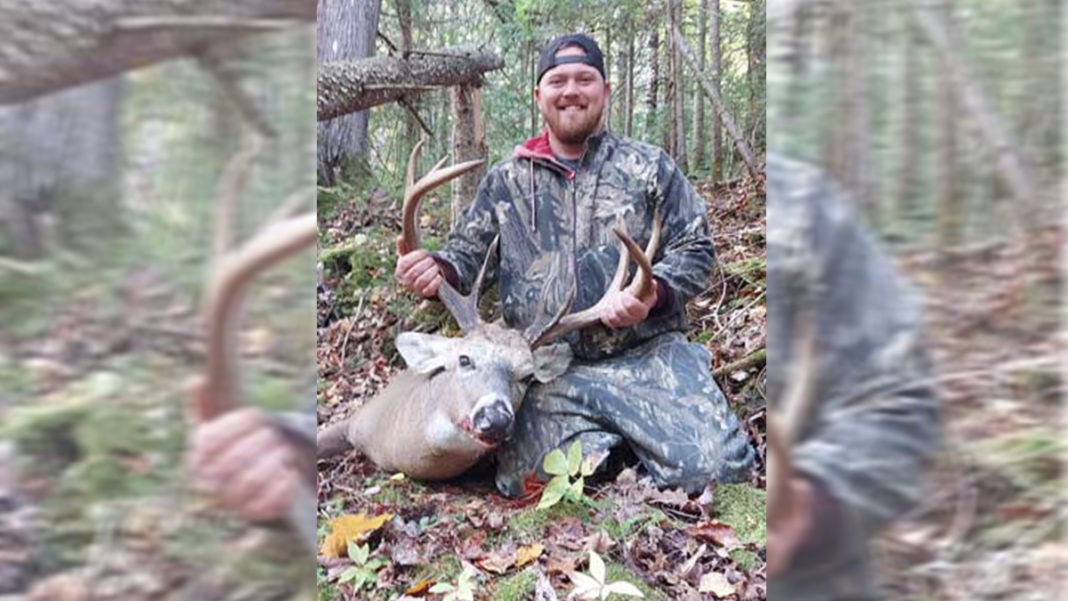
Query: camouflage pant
[659, 398]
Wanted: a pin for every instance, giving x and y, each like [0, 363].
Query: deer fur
[422, 423]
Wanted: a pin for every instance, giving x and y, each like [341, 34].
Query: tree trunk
[468, 142]
[411, 123]
[630, 84]
[725, 117]
[531, 60]
[680, 96]
[357, 85]
[49, 46]
[345, 31]
[949, 209]
[608, 109]
[667, 140]
[1028, 208]
[699, 141]
[717, 132]
[908, 149]
[654, 83]
[60, 155]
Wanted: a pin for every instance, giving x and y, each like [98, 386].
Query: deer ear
[424, 353]
[551, 361]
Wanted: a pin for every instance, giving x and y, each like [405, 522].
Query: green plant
[569, 476]
[463, 590]
[592, 586]
[365, 568]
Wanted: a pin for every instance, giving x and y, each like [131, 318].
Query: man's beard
[574, 131]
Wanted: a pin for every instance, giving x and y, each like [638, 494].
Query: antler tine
[464, 307]
[223, 296]
[784, 426]
[413, 160]
[415, 192]
[641, 286]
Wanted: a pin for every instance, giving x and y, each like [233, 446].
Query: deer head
[486, 372]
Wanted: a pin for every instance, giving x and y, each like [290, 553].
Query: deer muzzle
[492, 420]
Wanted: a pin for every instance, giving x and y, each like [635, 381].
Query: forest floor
[991, 522]
[462, 533]
[95, 363]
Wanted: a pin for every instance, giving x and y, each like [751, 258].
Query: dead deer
[458, 398]
[227, 281]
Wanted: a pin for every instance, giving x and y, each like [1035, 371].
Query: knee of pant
[509, 484]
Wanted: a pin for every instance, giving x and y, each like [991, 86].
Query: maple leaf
[346, 528]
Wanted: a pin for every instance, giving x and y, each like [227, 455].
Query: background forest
[112, 196]
[942, 122]
[462, 536]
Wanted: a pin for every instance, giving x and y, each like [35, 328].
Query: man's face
[571, 98]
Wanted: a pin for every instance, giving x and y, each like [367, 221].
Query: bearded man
[635, 380]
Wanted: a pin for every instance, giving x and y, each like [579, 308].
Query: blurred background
[942, 121]
[115, 179]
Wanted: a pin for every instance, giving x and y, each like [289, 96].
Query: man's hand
[417, 271]
[786, 535]
[622, 309]
[245, 464]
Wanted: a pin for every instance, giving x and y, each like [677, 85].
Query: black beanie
[592, 57]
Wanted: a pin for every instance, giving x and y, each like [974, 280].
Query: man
[634, 380]
[874, 429]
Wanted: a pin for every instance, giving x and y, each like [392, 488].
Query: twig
[757, 357]
[743, 311]
[228, 81]
[411, 109]
[20, 267]
[141, 24]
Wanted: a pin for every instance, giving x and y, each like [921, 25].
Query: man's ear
[551, 361]
[424, 353]
[537, 94]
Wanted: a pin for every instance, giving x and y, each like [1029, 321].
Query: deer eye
[466, 362]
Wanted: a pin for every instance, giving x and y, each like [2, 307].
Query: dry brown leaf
[527, 554]
[419, 588]
[347, 528]
[717, 584]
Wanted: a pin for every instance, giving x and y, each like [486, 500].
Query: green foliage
[517, 587]
[745, 509]
[365, 568]
[568, 476]
[462, 590]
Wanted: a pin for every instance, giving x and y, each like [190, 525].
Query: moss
[745, 509]
[615, 572]
[517, 587]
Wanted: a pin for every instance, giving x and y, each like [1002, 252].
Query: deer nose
[493, 421]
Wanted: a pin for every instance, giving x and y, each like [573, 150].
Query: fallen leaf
[717, 584]
[717, 533]
[347, 528]
[419, 588]
[497, 562]
[527, 554]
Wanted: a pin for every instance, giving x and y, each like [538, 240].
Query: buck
[458, 398]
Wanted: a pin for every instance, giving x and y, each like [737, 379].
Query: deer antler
[463, 307]
[785, 425]
[641, 286]
[225, 290]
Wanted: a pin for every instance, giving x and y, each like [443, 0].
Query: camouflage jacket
[555, 229]
[874, 431]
